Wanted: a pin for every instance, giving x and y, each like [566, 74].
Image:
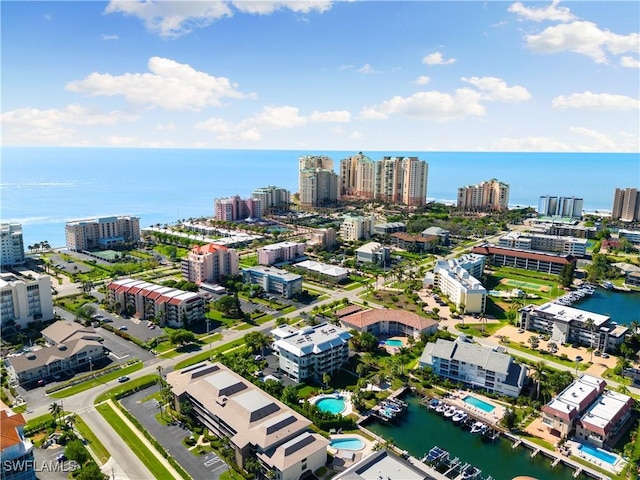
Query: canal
[420, 429]
[622, 307]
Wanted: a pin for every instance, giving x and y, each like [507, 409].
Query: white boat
[392, 406]
[441, 408]
[478, 427]
[459, 416]
[433, 404]
[450, 412]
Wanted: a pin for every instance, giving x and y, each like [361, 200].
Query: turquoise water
[331, 405]
[347, 444]
[622, 307]
[476, 402]
[393, 343]
[600, 454]
[420, 429]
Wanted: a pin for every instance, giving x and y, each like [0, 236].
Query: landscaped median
[93, 381]
[202, 356]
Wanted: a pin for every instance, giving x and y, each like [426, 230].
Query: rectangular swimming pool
[476, 402]
[598, 453]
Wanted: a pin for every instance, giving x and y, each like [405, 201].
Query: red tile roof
[545, 257]
[371, 317]
[9, 429]
[209, 248]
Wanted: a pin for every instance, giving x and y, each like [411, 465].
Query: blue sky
[368, 75]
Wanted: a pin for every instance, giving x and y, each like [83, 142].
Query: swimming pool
[475, 402]
[331, 404]
[348, 443]
[393, 343]
[598, 453]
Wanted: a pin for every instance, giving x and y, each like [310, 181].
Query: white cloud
[584, 38]
[600, 142]
[170, 85]
[366, 69]
[493, 88]
[603, 142]
[422, 80]
[630, 62]
[110, 37]
[55, 118]
[355, 135]
[436, 58]
[595, 101]
[263, 7]
[530, 144]
[48, 17]
[269, 118]
[550, 12]
[166, 126]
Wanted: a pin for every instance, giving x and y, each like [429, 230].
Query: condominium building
[387, 321]
[331, 272]
[402, 180]
[456, 280]
[489, 195]
[475, 366]
[210, 264]
[257, 425]
[323, 237]
[235, 208]
[357, 176]
[441, 233]
[280, 252]
[273, 198]
[16, 450]
[525, 259]
[626, 205]
[354, 228]
[576, 247]
[588, 412]
[273, 280]
[414, 243]
[318, 183]
[104, 232]
[11, 245]
[632, 235]
[169, 306]
[312, 351]
[571, 325]
[570, 207]
[24, 300]
[389, 228]
[383, 464]
[373, 252]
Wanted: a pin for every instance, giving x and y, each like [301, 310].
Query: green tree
[75, 451]
[289, 395]
[181, 337]
[326, 378]
[91, 471]
[567, 274]
[257, 342]
[56, 410]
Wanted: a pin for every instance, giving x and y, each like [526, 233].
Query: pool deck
[348, 408]
[492, 418]
[341, 456]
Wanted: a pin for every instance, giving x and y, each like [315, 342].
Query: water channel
[420, 429]
[622, 307]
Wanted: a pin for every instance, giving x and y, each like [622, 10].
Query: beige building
[210, 264]
[357, 176]
[402, 180]
[272, 198]
[626, 205]
[103, 232]
[318, 183]
[489, 195]
[257, 425]
[280, 252]
[357, 228]
[24, 300]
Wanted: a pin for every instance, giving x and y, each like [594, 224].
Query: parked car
[61, 457]
[605, 355]
[123, 327]
[123, 379]
[579, 358]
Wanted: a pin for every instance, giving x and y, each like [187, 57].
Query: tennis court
[524, 285]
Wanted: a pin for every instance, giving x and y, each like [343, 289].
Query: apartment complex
[11, 245]
[383, 465]
[318, 183]
[489, 195]
[280, 252]
[210, 264]
[373, 252]
[273, 280]
[104, 232]
[402, 180]
[414, 243]
[576, 247]
[568, 207]
[332, 272]
[632, 235]
[626, 205]
[588, 412]
[475, 366]
[235, 208]
[257, 425]
[169, 306]
[16, 450]
[354, 228]
[357, 176]
[324, 237]
[458, 279]
[312, 351]
[273, 198]
[525, 259]
[24, 300]
[386, 321]
[571, 325]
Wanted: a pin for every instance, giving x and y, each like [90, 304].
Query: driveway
[208, 466]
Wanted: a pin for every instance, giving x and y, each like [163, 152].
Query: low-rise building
[312, 351]
[389, 228]
[386, 321]
[64, 331]
[576, 247]
[373, 252]
[210, 264]
[632, 279]
[571, 325]
[414, 243]
[257, 425]
[148, 301]
[273, 280]
[525, 259]
[632, 235]
[441, 233]
[331, 272]
[475, 366]
[24, 300]
[16, 450]
[384, 465]
[280, 252]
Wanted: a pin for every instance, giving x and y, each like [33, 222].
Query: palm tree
[538, 375]
[55, 410]
[589, 323]
[483, 321]
[326, 378]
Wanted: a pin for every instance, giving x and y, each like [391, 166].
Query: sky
[349, 75]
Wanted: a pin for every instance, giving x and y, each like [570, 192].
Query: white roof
[566, 314]
[325, 269]
[312, 340]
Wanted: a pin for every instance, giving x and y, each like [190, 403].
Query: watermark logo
[25, 465]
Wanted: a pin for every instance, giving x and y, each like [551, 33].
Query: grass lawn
[94, 382]
[130, 385]
[129, 437]
[548, 356]
[96, 446]
[202, 356]
[169, 354]
[353, 286]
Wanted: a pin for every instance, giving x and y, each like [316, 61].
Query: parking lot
[208, 466]
[48, 467]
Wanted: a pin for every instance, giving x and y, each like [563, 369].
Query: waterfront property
[576, 247]
[312, 351]
[489, 195]
[383, 464]
[104, 232]
[210, 263]
[566, 324]
[24, 300]
[236, 208]
[389, 322]
[475, 365]
[273, 280]
[587, 411]
[525, 259]
[16, 450]
[11, 244]
[258, 426]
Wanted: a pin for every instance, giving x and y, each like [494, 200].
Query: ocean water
[43, 188]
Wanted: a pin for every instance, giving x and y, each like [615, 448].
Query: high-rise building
[402, 180]
[103, 232]
[210, 264]
[318, 182]
[11, 244]
[236, 208]
[357, 176]
[489, 195]
[626, 205]
[24, 300]
[273, 198]
[569, 207]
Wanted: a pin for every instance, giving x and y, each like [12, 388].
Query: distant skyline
[357, 75]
